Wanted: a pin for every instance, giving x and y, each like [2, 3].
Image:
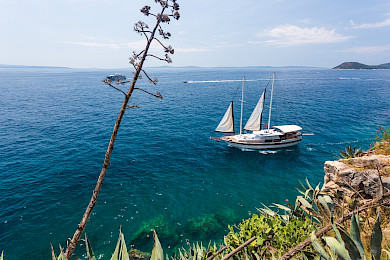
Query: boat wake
[247, 150]
[219, 81]
[268, 152]
[261, 151]
[347, 78]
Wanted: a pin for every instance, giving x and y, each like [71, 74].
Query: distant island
[360, 66]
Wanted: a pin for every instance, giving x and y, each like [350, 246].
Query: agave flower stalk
[137, 60]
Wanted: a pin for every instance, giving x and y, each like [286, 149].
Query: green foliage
[196, 251]
[376, 239]
[88, 248]
[347, 246]
[313, 203]
[351, 152]
[61, 256]
[274, 234]
[120, 252]
[382, 134]
[2, 254]
[269, 232]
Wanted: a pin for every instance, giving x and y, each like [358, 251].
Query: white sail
[227, 123]
[254, 121]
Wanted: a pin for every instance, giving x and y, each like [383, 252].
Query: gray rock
[357, 174]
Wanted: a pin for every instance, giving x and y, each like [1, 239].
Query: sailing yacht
[274, 137]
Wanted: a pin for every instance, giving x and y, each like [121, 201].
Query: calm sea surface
[165, 172]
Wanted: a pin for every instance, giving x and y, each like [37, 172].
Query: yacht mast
[242, 103]
[270, 105]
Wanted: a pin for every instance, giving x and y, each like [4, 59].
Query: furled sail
[254, 121]
[227, 123]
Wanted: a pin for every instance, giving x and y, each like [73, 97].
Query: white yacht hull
[263, 146]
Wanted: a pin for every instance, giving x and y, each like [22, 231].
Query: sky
[209, 33]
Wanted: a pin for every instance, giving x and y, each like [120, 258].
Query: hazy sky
[99, 33]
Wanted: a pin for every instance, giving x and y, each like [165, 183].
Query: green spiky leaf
[376, 239]
[318, 247]
[90, 254]
[355, 233]
[338, 248]
[62, 255]
[120, 252]
[304, 202]
[282, 207]
[53, 255]
[324, 204]
[2, 255]
[308, 184]
[337, 232]
[157, 252]
[350, 244]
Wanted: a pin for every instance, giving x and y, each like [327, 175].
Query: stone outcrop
[359, 174]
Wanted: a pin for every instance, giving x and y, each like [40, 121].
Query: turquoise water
[165, 172]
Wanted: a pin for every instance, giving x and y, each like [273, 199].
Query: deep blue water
[165, 171]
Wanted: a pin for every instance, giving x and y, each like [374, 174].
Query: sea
[166, 173]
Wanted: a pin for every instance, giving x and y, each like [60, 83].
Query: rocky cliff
[367, 175]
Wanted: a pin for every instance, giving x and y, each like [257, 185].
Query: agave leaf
[53, 255]
[344, 155]
[157, 252]
[90, 254]
[337, 247]
[304, 202]
[309, 194]
[355, 233]
[181, 256]
[62, 255]
[336, 231]
[328, 199]
[301, 192]
[324, 204]
[318, 247]
[376, 239]
[350, 244]
[333, 255]
[303, 186]
[282, 207]
[267, 211]
[120, 252]
[308, 184]
[2, 254]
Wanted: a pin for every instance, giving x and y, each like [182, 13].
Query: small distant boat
[186, 81]
[116, 77]
[260, 139]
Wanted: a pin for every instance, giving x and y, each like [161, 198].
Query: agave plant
[197, 251]
[312, 202]
[351, 152]
[120, 252]
[348, 246]
[61, 256]
[1, 257]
